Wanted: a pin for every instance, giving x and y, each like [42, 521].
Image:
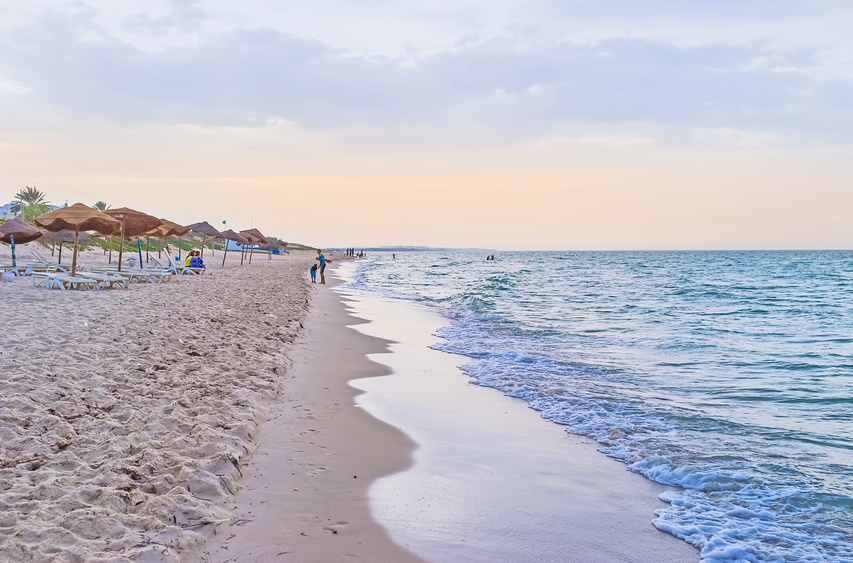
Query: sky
[504, 124]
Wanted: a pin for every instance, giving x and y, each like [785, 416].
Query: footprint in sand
[336, 528]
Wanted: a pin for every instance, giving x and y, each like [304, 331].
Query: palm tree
[29, 203]
[101, 206]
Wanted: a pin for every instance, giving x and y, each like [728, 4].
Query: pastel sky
[506, 124]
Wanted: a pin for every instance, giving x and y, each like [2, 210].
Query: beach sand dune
[126, 415]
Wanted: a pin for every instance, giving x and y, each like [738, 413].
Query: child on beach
[314, 273]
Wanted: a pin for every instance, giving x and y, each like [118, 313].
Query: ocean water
[726, 374]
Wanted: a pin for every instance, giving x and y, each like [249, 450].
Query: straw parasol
[63, 236]
[78, 217]
[167, 229]
[231, 235]
[206, 230]
[255, 237]
[16, 231]
[270, 246]
[133, 224]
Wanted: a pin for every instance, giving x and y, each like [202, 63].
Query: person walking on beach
[322, 259]
[314, 273]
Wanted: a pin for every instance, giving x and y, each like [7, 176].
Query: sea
[727, 375]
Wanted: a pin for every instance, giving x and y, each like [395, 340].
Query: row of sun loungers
[49, 275]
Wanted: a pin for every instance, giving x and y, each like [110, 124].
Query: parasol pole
[111, 250]
[203, 236]
[159, 246]
[76, 242]
[139, 248]
[225, 254]
[60, 253]
[121, 246]
[14, 259]
[147, 248]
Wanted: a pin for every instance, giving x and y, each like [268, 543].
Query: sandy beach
[127, 414]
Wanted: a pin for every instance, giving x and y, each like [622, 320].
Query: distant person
[321, 258]
[314, 273]
[393, 255]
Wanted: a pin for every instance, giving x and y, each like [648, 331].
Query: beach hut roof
[135, 222]
[78, 217]
[204, 228]
[23, 232]
[254, 236]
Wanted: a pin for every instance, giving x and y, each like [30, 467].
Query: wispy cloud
[515, 83]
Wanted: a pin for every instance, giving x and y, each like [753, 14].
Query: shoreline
[222, 418]
[301, 500]
[492, 479]
[304, 494]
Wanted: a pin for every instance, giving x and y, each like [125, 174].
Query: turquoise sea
[726, 374]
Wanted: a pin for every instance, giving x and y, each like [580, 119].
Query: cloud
[184, 15]
[253, 77]
[695, 10]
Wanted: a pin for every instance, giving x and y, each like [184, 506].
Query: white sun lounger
[63, 281]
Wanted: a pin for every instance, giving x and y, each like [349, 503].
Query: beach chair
[107, 280]
[42, 268]
[158, 276]
[164, 265]
[63, 281]
[131, 276]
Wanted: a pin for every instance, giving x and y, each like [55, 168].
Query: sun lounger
[177, 269]
[27, 268]
[63, 281]
[42, 268]
[107, 280]
[161, 265]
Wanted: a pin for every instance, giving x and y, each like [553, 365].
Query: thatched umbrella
[231, 235]
[206, 230]
[133, 224]
[16, 231]
[79, 217]
[165, 230]
[174, 230]
[255, 237]
[63, 236]
[270, 246]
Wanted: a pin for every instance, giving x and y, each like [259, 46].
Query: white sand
[126, 414]
[305, 490]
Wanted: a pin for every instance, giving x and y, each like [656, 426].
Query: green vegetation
[29, 203]
[297, 246]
